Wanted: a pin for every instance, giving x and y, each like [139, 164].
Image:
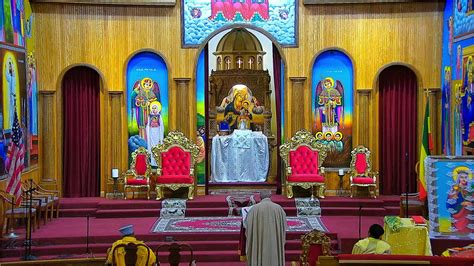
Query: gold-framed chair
[138, 176]
[303, 156]
[176, 158]
[10, 212]
[361, 171]
[314, 244]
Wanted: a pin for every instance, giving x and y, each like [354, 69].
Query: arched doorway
[81, 132]
[398, 87]
[211, 60]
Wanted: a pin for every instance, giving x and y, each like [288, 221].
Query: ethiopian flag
[426, 147]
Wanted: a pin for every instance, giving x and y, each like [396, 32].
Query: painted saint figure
[11, 81]
[144, 92]
[32, 95]
[155, 129]
[459, 202]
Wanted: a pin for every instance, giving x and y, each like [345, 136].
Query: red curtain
[81, 146]
[398, 89]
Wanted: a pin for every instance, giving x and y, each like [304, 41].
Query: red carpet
[66, 236]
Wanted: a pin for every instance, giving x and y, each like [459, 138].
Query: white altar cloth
[242, 156]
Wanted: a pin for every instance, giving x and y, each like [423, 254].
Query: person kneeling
[372, 244]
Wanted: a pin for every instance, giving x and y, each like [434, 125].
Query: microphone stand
[29, 196]
[360, 219]
[406, 188]
[88, 251]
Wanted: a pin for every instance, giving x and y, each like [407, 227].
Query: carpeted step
[118, 213]
[129, 204]
[79, 212]
[389, 210]
[353, 211]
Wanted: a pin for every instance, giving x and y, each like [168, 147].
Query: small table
[242, 156]
[411, 239]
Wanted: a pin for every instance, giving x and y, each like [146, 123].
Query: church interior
[173, 115]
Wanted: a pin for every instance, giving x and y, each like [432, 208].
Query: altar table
[242, 156]
[410, 239]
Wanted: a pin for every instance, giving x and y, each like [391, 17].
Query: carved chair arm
[288, 170]
[322, 170]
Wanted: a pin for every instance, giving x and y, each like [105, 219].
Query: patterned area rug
[237, 202]
[173, 208]
[307, 207]
[228, 224]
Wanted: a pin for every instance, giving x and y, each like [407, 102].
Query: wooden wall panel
[373, 36]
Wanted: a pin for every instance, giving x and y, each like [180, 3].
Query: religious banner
[147, 101]
[450, 188]
[201, 138]
[32, 153]
[466, 95]
[12, 98]
[200, 18]
[332, 83]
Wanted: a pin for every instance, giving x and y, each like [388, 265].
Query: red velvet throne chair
[138, 176]
[303, 157]
[361, 171]
[176, 159]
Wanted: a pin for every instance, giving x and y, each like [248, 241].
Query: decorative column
[297, 119]
[363, 122]
[182, 116]
[433, 95]
[47, 137]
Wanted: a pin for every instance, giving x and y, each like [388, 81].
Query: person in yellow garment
[128, 236]
[372, 244]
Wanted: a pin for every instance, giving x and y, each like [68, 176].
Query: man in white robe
[266, 233]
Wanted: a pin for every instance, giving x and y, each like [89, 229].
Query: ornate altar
[239, 90]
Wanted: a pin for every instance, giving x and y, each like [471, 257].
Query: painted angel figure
[329, 104]
[144, 92]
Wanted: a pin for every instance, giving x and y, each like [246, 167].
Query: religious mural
[458, 51]
[31, 89]
[241, 110]
[147, 104]
[332, 106]
[201, 138]
[202, 17]
[462, 18]
[12, 17]
[13, 99]
[450, 196]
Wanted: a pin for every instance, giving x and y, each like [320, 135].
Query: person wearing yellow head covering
[155, 129]
[459, 202]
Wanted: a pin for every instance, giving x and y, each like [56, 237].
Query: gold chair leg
[322, 189]
[148, 193]
[289, 191]
[191, 192]
[352, 191]
[125, 192]
[159, 193]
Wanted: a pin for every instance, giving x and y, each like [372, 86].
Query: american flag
[15, 161]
